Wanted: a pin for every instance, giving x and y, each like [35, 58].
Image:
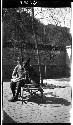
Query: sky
[55, 16]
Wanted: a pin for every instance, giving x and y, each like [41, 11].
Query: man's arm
[14, 72]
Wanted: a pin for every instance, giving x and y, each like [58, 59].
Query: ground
[55, 108]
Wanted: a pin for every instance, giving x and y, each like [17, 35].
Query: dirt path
[55, 108]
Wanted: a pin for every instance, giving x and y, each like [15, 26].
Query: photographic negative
[36, 62]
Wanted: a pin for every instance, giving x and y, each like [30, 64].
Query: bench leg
[21, 91]
[42, 96]
[22, 95]
[41, 90]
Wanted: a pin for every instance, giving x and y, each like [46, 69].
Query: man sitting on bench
[19, 78]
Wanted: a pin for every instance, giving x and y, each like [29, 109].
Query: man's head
[19, 61]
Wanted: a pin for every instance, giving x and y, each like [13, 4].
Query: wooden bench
[31, 87]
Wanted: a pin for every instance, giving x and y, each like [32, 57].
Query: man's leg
[19, 84]
[13, 87]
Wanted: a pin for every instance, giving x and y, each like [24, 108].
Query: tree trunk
[36, 45]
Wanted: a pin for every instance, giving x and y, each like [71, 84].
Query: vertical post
[45, 70]
[21, 49]
[14, 50]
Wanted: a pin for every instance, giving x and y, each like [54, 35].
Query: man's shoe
[13, 99]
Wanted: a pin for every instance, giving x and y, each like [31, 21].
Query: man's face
[18, 61]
